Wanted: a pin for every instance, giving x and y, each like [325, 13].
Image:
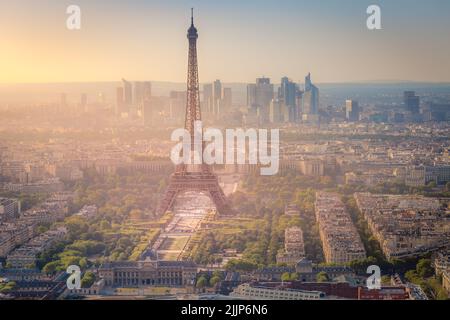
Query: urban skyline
[122, 193]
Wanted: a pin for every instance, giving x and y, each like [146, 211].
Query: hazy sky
[239, 40]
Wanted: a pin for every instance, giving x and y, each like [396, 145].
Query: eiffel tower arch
[193, 177]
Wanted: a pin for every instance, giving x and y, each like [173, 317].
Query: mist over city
[312, 146]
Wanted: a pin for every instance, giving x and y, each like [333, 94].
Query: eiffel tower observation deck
[193, 177]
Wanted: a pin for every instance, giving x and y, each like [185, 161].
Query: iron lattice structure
[183, 179]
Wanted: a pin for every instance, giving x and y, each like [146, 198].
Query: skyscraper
[227, 100]
[138, 94]
[177, 104]
[127, 94]
[275, 115]
[412, 102]
[259, 97]
[208, 98]
[251, 95]
[217, 96]
[352, 110]
[147, 90]
[119, 101]
[287, 95]
[310, 101]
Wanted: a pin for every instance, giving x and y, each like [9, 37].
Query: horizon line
[229, 82]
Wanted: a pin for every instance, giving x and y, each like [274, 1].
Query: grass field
[174, 243]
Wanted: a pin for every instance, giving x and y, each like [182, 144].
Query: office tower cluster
[133, 100]
[289, 104]
[217, 99]
[259, 97]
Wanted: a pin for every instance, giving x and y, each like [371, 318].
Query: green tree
[104, 225]
[424, 268]
[286, 276]
[442, 294]
[432, 184]
[201, 282]
[5, 288]
[411, 276]
[51, 267]
[88, 279]
[322, 277]
[41, 229]
[214, 280]
[294, 276]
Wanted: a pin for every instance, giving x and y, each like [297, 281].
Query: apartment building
[27, 255]
[9, 209]
[294, 248]
[340, 239]
[260, 292]
[405, 225]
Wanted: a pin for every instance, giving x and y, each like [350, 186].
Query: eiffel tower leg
[218, 197]
[167, 201]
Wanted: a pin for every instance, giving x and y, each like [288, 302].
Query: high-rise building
[352, 110]
[177, 104]
[138, 94]
[147, 90]
[287, 94]
[436, 111]
[142, 91]
[119, 100]
[259, 97]
[127, 93]
[251, 95]
[275, 115]
[227, 100]
[299, 103]
[412, 102]
[208, 98]
[217, 96]
[310, 100]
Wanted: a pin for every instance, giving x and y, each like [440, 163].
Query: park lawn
[174, 243]
[169, 256]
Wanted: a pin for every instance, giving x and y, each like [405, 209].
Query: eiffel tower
[193, 177]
